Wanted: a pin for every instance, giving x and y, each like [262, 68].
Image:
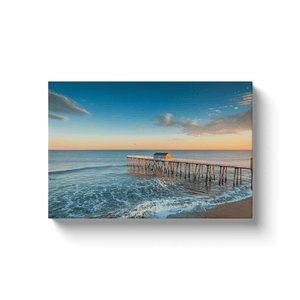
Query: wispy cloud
[61, 104]
[58, 117]
[218, 125]
[246, 99]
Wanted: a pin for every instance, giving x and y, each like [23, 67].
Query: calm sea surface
[99, 184]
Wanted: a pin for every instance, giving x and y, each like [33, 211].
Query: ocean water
[99, 184]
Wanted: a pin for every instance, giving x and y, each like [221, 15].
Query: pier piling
[234, 176]
[240, 176]
[206, 174]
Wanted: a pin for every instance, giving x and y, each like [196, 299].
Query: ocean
[99, 184]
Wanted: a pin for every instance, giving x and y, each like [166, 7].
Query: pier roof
[158, 153]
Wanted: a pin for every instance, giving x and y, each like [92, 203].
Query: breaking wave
[154, 198]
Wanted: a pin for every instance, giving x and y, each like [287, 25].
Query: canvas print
[155, 150]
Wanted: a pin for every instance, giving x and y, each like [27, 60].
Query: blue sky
[126, 109]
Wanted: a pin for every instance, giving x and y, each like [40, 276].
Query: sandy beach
[240, 210]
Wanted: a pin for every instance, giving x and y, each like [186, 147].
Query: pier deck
[171, 166]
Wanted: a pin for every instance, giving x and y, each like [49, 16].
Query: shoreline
[237, 210]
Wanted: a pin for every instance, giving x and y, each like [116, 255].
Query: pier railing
[189, 167]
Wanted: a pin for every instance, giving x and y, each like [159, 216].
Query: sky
[150, 115]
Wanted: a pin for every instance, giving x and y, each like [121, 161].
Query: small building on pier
[159, 156]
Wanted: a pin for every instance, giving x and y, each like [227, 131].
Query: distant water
[99, 184]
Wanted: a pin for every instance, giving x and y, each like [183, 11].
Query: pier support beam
[196, 171]
[237, 177]
[200, 168]
[223, 173]
[234, 176]
[240, 176]
[206, 174]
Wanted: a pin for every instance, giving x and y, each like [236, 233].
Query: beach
[239, 210]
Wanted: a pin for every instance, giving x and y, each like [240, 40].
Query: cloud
[236, 108]
[165, 121]
[246, 99]
[218, 125]
[58, 117]
[61, 104]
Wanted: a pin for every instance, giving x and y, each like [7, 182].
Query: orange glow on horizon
[242, 141]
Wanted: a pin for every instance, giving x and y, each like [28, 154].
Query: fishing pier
[189, 168]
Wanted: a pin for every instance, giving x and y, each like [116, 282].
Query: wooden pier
[189, 168]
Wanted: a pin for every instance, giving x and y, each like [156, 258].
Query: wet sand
[240, 210]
